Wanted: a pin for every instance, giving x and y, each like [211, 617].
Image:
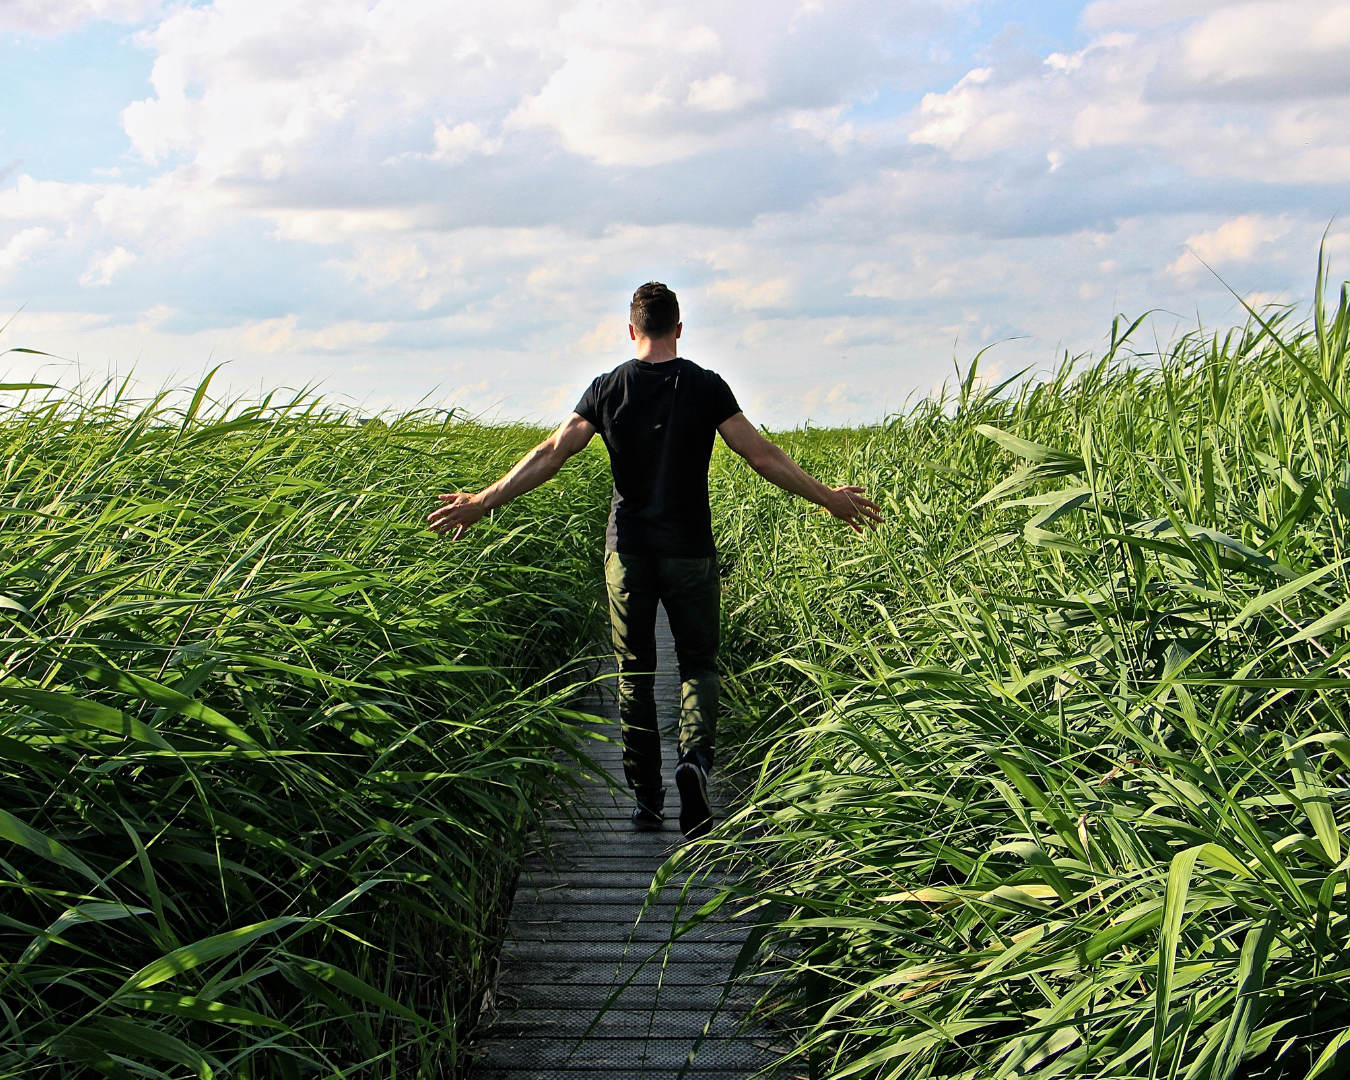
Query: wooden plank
[577, 945]
[703, 996]
[625, 913]
[564, 973]
[596, 895]
[665, 841]
[486, 1071]
[624, 933]
[626, 1052]
[615, 918]
[646, 847]
[668, 915]
[586, 879]
[615, 952]
[659, 1022]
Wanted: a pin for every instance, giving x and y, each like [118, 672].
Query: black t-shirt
[658, 422]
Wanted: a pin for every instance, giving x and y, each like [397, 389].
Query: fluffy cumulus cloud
[54, 16]
[402, 197]
[1253, 91]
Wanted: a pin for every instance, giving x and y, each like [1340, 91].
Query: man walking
[658, 415]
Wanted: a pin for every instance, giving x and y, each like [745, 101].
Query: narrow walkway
[574, 940]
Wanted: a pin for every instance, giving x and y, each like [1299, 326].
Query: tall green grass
[267, 747]
[1048, 776]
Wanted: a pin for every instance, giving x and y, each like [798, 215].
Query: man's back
[658, 415]
[658, 421]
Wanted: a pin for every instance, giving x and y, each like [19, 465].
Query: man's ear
[632, 334]
[679, 326]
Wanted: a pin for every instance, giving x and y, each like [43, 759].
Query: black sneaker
[647, 814]
[695, 810]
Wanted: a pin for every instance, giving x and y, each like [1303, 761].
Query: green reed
[1047, 778]
[268, 747]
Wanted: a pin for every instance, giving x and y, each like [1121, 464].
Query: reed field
[268, 746]
[1047, 777]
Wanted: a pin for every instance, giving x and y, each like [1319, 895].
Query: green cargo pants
[691, 592]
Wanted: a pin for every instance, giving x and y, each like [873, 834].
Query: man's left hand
[461, 510]
[847, 504]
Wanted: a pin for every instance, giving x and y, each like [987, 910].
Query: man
[658, 414]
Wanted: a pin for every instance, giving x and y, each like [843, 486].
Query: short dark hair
[655, 312]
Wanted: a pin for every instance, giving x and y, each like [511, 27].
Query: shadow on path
[573, 942]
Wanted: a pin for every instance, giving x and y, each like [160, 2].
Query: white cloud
[1280, 46]
[608, 338]
[56, 16]
[400, 265]
[247, 88]
[385, 193]
[263, 89]
[1144, 13]
[542, 310]
[748, 295]
[554, 400]
[454, 144]
[285, 336]
[323, 225]
[851, 332]
[21, 247]
[1253, 91]
[155, 317]
[952, 115]
[34, 200]
[825, 126]
[681, 92]
[106, 265]
[46, 323]
[722, 92]
[617, 108]
[1234, 242]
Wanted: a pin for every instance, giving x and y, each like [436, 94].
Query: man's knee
[637, 676]
[696, 643]
[700, 669]
[637, 698]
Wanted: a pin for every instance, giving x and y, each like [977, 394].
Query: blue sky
[64, 97]
[408, 200]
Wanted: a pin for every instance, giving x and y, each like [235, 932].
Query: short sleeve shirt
[658, 422]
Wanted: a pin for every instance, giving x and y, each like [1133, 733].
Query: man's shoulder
[631, 369]
[698, 371]
[607, 380]
[616, 374]
[707, 378]
[715, 393]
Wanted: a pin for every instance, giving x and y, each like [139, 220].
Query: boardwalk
[573, 942]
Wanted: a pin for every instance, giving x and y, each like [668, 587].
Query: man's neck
[657, 350]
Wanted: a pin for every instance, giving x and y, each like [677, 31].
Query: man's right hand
[847, 504]
[461, 510]
[771, 462]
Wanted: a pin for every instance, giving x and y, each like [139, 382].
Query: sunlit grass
[268, 747]
[1046, 778]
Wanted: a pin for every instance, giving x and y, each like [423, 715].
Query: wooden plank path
[574, 940]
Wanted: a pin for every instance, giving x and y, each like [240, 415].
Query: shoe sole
[648, 826]
[695, 809]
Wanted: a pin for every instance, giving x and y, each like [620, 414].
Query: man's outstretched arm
[772, 463]
[540, 465]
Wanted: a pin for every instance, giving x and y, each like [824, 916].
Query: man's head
[655, 312]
